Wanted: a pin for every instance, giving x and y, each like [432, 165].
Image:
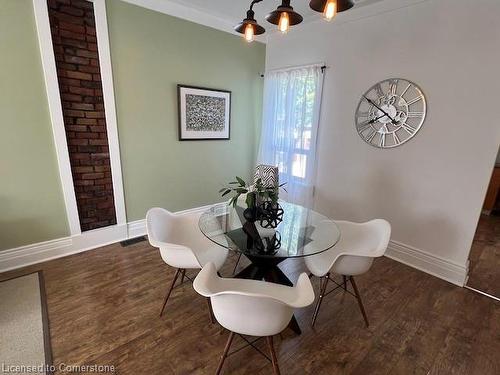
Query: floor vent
[133, 241]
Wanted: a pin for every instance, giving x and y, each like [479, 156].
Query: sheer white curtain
[292, 100]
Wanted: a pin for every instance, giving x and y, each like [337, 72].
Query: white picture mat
[193, 134]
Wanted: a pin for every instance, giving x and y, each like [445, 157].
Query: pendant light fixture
[284, 16]
[249, 26]
[330, 8]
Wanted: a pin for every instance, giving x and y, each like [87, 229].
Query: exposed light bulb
[330, 10]
[249, 34]
[284, 23]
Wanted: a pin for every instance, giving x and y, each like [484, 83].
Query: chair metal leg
[276, 369]
[224, 355]
[323, 284]
[183, 273]
[360, 303]
[237, 262]
[170, 290]
[210, 311]
[344, 277]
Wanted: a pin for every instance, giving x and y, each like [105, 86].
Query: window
[291, 112]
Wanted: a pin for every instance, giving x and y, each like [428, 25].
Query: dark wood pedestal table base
[302, 232]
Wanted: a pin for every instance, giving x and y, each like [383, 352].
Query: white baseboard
[35, 253]
[48, 250]
[137, 228]
[428, 263]
[43, 251]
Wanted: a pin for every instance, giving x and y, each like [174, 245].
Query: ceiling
[235, 10]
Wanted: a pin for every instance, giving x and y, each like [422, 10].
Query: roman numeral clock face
[390, 113]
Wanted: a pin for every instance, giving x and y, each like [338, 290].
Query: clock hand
[369, 122]
[375, 119]
[380, 109]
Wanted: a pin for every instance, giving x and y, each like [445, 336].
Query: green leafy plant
[255, 192]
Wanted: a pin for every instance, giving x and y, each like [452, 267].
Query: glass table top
[302, 232]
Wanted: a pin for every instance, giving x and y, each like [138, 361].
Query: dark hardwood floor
[104, 309]
[484, 273]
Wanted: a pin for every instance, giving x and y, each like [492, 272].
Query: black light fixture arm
[250, 12]
[253, 3]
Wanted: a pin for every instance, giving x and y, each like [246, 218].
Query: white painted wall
[432, 188]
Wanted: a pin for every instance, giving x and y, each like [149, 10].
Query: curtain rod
[323, 67]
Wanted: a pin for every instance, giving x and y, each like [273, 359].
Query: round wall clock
[390, 113]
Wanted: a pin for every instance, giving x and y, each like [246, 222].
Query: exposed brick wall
[72, 25]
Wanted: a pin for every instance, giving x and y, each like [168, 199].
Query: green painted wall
[31, 200]
[151, 53]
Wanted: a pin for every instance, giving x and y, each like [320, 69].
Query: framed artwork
[204, 114]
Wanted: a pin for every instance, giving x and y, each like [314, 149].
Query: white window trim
[56, 114]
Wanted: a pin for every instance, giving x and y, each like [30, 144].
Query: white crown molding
[428, 263]
[202, 16]
[189, 13]
[365, 9]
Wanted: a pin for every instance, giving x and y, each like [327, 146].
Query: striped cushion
[268, 174]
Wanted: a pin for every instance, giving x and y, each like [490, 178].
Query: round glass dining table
[301, 232]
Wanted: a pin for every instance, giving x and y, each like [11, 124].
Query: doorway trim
[55, 108]
[481, 292]
[481, 212]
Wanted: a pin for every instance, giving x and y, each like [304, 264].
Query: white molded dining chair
[353, 255]
[251, 307]
[181, 244]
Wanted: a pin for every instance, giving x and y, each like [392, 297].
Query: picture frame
[204, 113]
